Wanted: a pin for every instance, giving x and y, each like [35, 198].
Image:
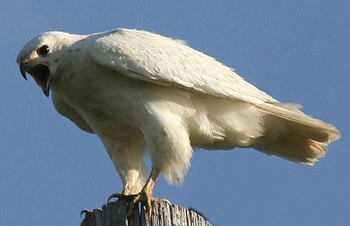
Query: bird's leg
[145, 195]
[124, 195]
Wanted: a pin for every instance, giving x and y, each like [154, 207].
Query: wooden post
[162, 215]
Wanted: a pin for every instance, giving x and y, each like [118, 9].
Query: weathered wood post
[162, 215]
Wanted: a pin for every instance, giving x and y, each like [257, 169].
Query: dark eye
[42, 51]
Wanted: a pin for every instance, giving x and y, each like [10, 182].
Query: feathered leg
[145, 196]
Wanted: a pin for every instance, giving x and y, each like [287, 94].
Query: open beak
[40, 73]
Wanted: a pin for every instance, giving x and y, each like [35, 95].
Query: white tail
[292, 135]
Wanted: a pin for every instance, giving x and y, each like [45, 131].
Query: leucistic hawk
[141, 92]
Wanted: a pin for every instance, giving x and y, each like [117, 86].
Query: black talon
[85, 211]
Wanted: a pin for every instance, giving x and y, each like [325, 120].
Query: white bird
[141, 92]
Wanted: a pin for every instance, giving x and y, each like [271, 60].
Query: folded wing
[154, 58]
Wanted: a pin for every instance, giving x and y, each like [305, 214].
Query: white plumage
[143, 92]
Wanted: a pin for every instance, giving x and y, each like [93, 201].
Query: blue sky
[297, 51]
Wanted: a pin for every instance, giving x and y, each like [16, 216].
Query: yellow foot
[146, 199]
[119, 196]
[134, 200]
[144, 196]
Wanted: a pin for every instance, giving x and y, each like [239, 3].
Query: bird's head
[42, 56]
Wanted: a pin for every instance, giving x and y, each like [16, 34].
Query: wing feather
[154, 58]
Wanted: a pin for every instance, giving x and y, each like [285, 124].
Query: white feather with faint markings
[143, 92]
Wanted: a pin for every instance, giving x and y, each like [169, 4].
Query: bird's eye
[42, 51]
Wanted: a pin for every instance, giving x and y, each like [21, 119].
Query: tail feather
[314, 129]
[292, 135]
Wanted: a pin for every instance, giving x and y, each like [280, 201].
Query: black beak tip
[47, 92]
[22, 68]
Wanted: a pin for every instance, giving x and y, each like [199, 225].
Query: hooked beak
[40, 73]
[22, 68]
